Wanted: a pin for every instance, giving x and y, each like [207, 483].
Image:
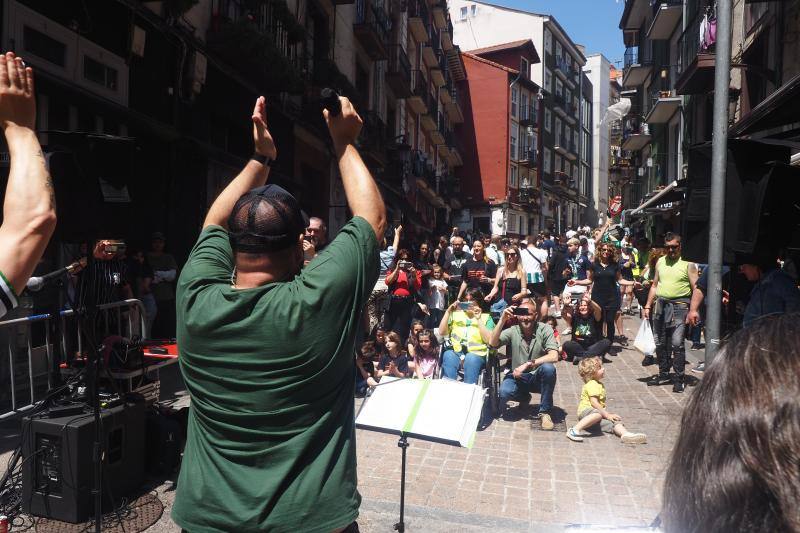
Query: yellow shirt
[592, 388]
[673, 279]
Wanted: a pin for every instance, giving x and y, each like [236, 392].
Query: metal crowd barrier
[18, 334]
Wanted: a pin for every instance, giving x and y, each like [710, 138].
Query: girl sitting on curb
[592, 407]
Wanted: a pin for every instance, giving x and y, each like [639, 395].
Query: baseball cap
[266, 219]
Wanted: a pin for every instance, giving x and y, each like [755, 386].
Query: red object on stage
[615, 206]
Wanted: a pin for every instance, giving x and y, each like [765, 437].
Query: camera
[521, 311]
[405, 265]
[464, 305]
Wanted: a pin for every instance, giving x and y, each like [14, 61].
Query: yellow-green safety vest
[465, 331]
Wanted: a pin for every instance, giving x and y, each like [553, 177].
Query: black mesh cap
[266, 219]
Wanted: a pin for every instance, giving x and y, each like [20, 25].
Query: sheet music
[447, 410]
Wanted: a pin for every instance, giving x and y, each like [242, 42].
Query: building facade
[566, 158]
[499, 184]
[169, 86]
[598, 70]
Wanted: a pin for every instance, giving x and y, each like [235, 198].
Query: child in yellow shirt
[592, 407]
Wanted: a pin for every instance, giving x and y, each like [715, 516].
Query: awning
[663, 196]
[779, 109]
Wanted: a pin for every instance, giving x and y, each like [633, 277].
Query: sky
[593, 23]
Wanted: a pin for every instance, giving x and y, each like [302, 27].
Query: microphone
[330, 101]
[37, 283]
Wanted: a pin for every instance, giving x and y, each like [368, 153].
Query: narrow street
[520, 478]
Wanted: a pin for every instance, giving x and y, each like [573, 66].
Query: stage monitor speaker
[758, 198]
[58, 474]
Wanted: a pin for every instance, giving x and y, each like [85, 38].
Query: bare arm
[693, 276]
[29, 211]
[362, 193]
[550, 357]
[396, 242]
[461, 290]
[253, 175]
[651, 295]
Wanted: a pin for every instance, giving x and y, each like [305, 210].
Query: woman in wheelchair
[467, 329]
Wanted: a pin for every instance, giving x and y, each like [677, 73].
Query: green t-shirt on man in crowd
[271, 440]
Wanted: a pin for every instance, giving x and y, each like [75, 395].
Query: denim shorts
[606, 426]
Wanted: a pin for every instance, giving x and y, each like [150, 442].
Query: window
[548, 80]
[567, 96]
[548, 41]
[524, 67]
[559, 87]
[99, 73]
[547, 155]
[559, 163]
[472, 9]
[513, 176]
[548, 119]
[44, 46]
[558, 50]
[463, 13]
[557, 131]
[514, 99]
[523, 230]
[513, 146]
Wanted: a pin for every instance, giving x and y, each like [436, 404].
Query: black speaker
[58, 473]
[759, 193]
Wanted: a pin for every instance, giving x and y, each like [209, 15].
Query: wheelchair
[489, 379]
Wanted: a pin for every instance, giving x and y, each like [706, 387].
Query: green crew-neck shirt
[271, 441]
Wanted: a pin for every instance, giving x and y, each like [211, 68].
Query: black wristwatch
[261, 158]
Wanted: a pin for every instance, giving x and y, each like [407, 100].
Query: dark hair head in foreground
[736, 465]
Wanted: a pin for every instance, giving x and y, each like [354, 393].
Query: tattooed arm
[29, 215]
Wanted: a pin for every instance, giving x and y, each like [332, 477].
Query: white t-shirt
[533, 268]
[435, 298]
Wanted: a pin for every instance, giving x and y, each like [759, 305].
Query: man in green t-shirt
[533, 350]
[266, 351]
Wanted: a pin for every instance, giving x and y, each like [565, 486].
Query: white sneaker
[634, 438]
[573, 436]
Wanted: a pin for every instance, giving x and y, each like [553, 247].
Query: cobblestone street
[518, 477]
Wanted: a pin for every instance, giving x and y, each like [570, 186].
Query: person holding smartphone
[534, 352]
[467, 328]
[403, 281]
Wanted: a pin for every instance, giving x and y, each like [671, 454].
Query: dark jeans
[580, 350]
[398, 316]
[541, 380]
[609, 314]
[670, 337]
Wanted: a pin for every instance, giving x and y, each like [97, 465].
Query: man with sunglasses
[668, 304]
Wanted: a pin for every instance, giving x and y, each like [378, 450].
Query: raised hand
[17, 100]
[262, 138]
[345, 126]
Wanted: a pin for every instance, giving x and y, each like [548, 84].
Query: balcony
[437, 134]
[560, 105]
[454, 108]
[446, 90]
[638, 66]
[439, 12]
[529, 158]
[572, 113]
[447, 36]
[418, 20]
[371, 28]
[418, 99]
[438, 72]
[372, 140]
[560, 145]
[696, 69]
[260, 50]
[431, 51]
[444, 148]
[662, 99]
[566, 147]
[635, 136]
[428, 120]
[527, 116]
[456, 152]
[666, 15]
[398, 73]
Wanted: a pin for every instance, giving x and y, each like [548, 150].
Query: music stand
[442, 410]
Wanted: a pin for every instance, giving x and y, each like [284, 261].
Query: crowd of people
[468, 294]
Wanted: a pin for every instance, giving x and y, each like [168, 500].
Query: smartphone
[464, 305]
[521, 311]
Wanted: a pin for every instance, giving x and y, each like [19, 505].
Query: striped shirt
[8, 298]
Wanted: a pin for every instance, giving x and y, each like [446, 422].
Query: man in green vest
[668, 304]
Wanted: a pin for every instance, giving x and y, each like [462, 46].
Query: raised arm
[29, 211]
[396, 242]
[362, 193]
[254, 174]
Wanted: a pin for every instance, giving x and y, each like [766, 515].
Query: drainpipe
[508, 188]
[719, 161]
[540, 162]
